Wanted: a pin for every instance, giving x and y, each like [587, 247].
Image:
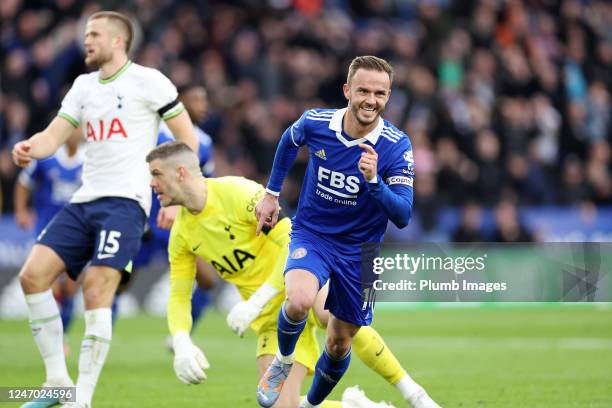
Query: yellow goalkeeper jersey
[223, 234]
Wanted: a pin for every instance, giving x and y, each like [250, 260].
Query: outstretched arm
[267, 209]
[23, 215]
[189, 361]
[43, 144]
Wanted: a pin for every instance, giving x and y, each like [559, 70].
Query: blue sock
[115, 309]
[67, 312]
[328, 372]
[288, 332]
[199, 300]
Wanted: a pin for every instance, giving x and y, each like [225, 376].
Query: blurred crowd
[506, 102]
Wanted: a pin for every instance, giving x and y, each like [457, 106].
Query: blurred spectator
[574, 188]
[456, 173]
[508, 225]
[491, 175]
[498, 97]
[470, 228]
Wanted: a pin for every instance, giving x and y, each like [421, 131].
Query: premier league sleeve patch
[409, 157]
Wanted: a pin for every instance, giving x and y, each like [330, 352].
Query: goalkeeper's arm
[244, 313]
[189, 361]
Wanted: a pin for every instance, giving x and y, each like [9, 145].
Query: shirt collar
[335, 124]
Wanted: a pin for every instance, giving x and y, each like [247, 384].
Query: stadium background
[507, 104]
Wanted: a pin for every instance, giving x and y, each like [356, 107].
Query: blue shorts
[351, 295]
[106, 231]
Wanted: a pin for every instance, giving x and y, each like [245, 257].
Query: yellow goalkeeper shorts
[307, 349]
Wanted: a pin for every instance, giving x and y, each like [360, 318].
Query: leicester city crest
[298, 253]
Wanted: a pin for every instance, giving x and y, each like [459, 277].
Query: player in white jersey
[119, 107]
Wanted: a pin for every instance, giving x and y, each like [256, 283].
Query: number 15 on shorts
[109, 244]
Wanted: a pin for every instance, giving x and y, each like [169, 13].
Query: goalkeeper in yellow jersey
[217, 223]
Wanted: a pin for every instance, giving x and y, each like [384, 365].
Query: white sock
[48, 332]
[285, 359]
[408, 388]
[95, 346]
[306, 404]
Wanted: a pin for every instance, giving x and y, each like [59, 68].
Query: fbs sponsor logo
[299, 253]
[321, 154]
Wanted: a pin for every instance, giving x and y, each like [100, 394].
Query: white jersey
[120, 119]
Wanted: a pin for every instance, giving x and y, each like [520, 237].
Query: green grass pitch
[469, 357]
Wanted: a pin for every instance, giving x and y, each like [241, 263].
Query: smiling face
[165, 183]
[367, 93]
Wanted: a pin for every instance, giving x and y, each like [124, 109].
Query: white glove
[242, 314]
[189, 361]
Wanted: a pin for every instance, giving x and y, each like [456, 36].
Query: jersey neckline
[116, 74]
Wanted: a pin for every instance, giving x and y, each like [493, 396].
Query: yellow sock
[327, 404]
[331, 404]
[372, 350]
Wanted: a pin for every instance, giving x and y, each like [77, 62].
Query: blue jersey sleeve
[205, 152]
[394, 190]
[291, 141]
[164, 137]
[31, 175]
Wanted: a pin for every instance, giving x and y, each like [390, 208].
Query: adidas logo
[321, 154]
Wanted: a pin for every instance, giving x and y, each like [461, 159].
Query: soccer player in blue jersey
[359, 176]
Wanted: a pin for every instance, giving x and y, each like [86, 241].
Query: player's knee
[298, 304]
[30, 282]
[97, 296]
[338, 346]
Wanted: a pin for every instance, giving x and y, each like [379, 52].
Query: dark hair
[369, 62]
[168, 149]
[123, 21]
[189, 86]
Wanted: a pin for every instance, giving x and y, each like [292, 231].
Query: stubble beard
[355, 109]
[97, 61]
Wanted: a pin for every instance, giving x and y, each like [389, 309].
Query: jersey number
[109, 245]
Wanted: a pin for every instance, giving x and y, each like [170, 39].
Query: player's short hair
[369, 62]
[167, 150]
[122, 21]
[189, 86]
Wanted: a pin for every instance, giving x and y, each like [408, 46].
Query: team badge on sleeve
[299, 253]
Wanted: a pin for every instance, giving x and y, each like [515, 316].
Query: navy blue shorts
[106, 231]
[351, 297]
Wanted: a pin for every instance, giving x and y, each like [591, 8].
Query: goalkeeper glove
[189, 361]
[242, 314]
